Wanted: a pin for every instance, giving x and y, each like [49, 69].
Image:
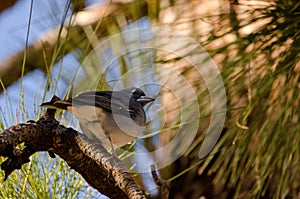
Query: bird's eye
[133, 91]
[136, 93]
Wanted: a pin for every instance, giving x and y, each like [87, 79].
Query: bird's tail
[58, 104]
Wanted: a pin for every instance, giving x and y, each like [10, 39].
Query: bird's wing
[102, 99]
[99, 99]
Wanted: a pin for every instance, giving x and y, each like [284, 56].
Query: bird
[115, 118]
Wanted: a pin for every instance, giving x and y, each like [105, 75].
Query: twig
[163, 184]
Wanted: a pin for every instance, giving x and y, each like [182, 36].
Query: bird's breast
[99, 124]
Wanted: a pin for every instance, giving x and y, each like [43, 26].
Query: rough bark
[101, 170]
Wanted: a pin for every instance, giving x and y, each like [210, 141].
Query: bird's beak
[145, 100]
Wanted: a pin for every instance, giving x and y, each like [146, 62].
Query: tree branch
[7, 4]
[46, 50]
[100, 169]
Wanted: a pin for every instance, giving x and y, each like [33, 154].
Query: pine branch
[100, 169]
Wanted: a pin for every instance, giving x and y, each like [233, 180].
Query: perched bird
[112, 117]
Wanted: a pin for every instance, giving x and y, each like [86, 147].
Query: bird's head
[139, 95]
